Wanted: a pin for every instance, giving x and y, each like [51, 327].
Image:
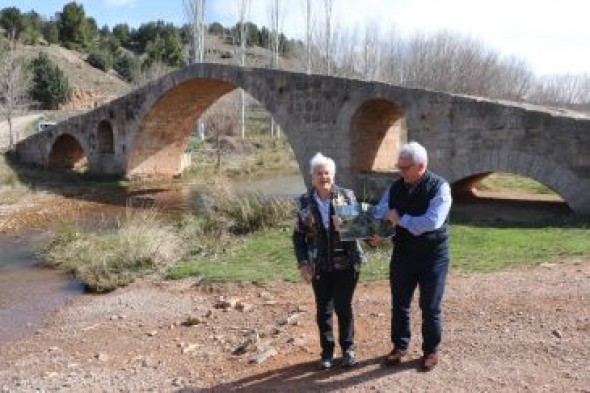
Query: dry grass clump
[248, 212]
[112, 257]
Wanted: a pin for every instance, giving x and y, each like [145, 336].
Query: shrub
[128, 67]
[109, 258]
[50, 86]
[101, 60]
[249, 212]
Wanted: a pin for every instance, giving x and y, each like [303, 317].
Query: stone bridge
[360, 124]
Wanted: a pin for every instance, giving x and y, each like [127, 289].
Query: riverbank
[517, 330]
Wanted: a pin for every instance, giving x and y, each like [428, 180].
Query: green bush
[127, 66]
[100, 59]
[50, 86]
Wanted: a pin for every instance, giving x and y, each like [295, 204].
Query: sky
[553, 37]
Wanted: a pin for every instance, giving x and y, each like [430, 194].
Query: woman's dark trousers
[333, 292]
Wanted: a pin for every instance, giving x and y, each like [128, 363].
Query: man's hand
[374, 240]
[337, 222]
[393, 217]
[306, 272]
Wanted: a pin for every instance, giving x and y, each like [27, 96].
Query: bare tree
[567, 89]
[371, 52]
[243, 14]
[195, 12]
[328, 8]
[308, 36]
[275, 31]
[14, 88]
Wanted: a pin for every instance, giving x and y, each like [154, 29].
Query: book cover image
[358, 222]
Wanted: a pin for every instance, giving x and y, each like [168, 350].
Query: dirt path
[519, 330]
[19, 124]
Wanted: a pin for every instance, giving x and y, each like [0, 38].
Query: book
[359, 222]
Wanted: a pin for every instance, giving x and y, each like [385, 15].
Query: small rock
[103, 357]
[265, 295]
[226, 304]
[152, 333]
[189, 348]
[557, 333]
[243, 307]
[193, 320]
[263, 356]
[177, 381]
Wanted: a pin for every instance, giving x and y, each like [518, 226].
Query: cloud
[119, 3]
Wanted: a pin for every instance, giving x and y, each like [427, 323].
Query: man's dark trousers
[334, 291]
[425, 267]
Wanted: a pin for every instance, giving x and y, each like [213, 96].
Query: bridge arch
[376, 131]
[465, 172]
[66, 152]
[166, 120]
[105, 137]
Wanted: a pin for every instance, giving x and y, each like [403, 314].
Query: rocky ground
[526, 329]
[518, 330]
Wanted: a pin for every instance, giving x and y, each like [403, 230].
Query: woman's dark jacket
[323, 248]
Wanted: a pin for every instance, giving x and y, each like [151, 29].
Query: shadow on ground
[306, 377]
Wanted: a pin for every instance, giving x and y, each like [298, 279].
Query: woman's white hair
[414, 151]
[321, 160]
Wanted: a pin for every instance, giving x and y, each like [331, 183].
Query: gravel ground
[526, 329]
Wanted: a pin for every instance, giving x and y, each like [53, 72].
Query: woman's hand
[306, 272]
[337, 222]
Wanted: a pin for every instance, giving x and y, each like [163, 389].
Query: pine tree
[50, 86]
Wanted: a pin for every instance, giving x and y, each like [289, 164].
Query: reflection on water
[188, 198]
[27, 291]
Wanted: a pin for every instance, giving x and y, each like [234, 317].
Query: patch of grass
[259, 256]
[494, 248]
[508, 182]
[268, 254]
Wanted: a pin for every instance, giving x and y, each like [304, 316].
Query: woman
[328, 263]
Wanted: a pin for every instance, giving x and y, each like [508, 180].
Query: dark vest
[414, 201]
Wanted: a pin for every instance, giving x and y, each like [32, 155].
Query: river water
[29, 292]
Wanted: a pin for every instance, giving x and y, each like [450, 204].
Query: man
[418, 205]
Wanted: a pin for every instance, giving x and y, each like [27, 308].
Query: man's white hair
[321, 160]
[414, 151]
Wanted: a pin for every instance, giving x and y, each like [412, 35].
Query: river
[29, 292]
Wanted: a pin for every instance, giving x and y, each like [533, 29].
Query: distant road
[19, 124]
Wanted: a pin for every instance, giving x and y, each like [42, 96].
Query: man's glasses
[404, 168]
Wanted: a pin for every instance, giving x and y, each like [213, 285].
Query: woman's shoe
[326, 363]
[348, 359]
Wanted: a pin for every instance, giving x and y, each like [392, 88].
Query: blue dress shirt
[434, 218]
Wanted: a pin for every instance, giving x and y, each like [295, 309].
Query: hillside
[93, 87]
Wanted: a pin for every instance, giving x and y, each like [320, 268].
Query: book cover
[358, 222]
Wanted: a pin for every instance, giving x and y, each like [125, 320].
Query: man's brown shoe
[429, 361]
[395, 356]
